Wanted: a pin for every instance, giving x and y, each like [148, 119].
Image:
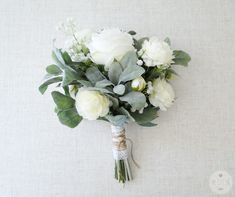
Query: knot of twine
[119, 144]
[119, 140]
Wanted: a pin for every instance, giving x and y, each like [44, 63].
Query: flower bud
[138, 84]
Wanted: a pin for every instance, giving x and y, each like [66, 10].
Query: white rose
[156, 53]
[162, 94]
[108, 45]
[91, 104]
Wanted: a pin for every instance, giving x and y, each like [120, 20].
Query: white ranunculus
[108, 45]
[156, 53]
[91, 104]
[162, 94]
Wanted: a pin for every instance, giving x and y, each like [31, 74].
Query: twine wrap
[119, 143]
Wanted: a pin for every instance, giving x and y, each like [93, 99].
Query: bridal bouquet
[114, 76]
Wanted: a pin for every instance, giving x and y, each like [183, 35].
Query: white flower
[162, 94]
[156, 53]
[108, 45]
[138, 84]
[77, 45]
[69, 27]
[139, 62]
[91, 104]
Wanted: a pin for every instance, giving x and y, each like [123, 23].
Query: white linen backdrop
[195, 138]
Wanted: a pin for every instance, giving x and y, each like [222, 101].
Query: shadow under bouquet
[111, 75]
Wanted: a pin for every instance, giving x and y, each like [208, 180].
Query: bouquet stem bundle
[120, 154]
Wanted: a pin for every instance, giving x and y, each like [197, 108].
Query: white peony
[108, 45]
[161, 94]
[156, 53]
[91, 104]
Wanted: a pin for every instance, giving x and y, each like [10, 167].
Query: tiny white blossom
[139, 62]
[133, 109]
[141, 110]
[150, 87]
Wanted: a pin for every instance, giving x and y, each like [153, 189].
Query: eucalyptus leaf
[114, 72]
[42, 88]
[119, 89]
[62, 102]
[149, 114]
[181, 58]
[118, 120]
[53, 69]
[131, 72]
[136, 99]
[94, 75]
[69, 117]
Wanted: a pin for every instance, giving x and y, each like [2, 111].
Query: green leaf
[132, 32]
[115, 102]
[148, 124]
[169, 73]
[131, 72]
[118, 120]
[42, 88]
[53, 69]
[70, 75]
[65, 109]
[119, 89]
[94, 75]
[85, 83]
[102, 90]
[66, 57]
[57, 56]
[149, 114]
[168, 41]
[181, 58]
[123, 111]
[136, 99]
[129, 59]
[69, 117]
[138, 43]
[63, 102]
[114, 72]
[103, 83]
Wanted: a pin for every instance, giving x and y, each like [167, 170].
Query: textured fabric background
[41, 158]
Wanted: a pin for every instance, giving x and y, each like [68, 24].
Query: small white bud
[139, 62]
[133, 109]
[141, 110]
